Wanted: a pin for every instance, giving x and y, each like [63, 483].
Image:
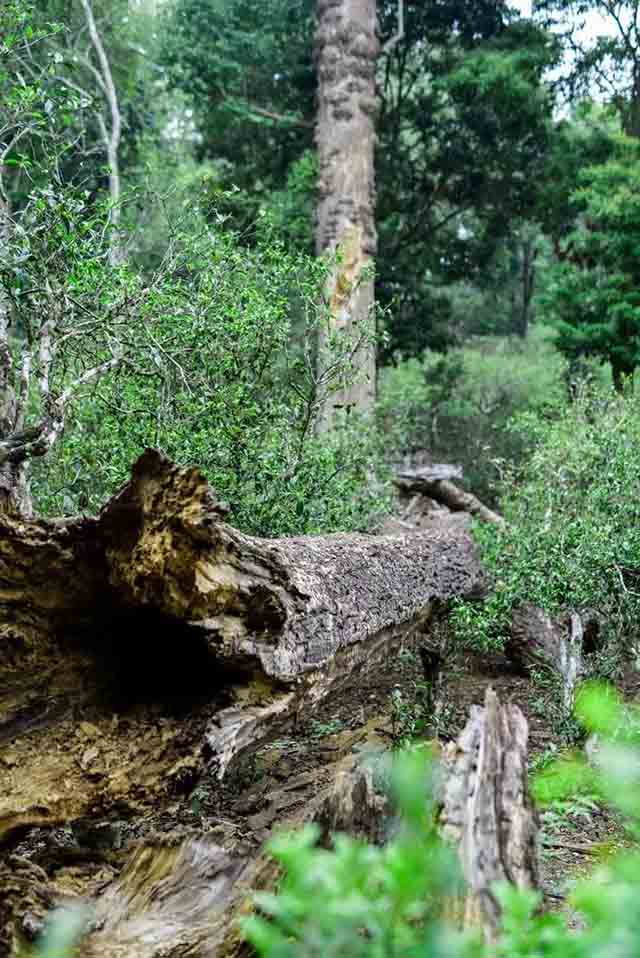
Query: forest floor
[281, 779]
[278, 785]
[124, 773]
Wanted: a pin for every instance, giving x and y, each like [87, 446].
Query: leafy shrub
[457, 406]
[358, 899]
[215, 376]
[572, 538]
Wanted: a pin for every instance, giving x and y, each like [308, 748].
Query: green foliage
[361, 900]
[572, 538]
[593, 300]
[466, 86]
[201, 343]
[213, 374]
[247, 69]
[458, 406]
[586, 138]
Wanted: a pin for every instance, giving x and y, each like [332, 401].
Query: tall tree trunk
[347, 49]
[528, 275]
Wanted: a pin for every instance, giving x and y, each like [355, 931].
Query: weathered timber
[436, 482]
[488, 812]
[286, 606]
[355, 806]
[558, 644]
[182, 895]
[204, 640]
[153, 644]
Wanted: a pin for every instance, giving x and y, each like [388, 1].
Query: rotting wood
[355, 806]
[153, 641]
[487, 810]
[558, 644]
[436, 482]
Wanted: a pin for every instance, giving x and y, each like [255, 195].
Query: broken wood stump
[558, 645]
[487, 810]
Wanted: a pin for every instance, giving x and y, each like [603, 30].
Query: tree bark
[488, 812]
[168, 600]
[347, 49]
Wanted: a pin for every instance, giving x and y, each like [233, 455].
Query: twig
[112, 136]
[399, 35]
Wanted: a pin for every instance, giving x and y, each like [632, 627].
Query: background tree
[463, 135]
[593, 299]
[462, 130]
[347, 51]
[606, 65]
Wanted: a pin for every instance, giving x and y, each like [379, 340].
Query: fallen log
[154, 642]
[436, 482]
[487, 810]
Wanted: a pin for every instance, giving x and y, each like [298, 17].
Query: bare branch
[399, 35]
[45, 357]
[91, 374]
[111, 137]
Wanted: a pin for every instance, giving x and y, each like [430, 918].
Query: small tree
[593, 299]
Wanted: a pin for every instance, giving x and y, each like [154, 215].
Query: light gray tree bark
[347, 48]
[110, 130]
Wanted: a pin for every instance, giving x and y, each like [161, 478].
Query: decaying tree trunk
[539, 642]
[436, 482]
[186, 897]
[487, 809]
[347, 49]
[158, 597]
[146, 649]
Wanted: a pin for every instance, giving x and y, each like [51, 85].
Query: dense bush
[218, 370]
[458, 405]
[572, 538]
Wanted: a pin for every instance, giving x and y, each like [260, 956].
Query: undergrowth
[360, 900]
[572, 534]
[458, 405]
